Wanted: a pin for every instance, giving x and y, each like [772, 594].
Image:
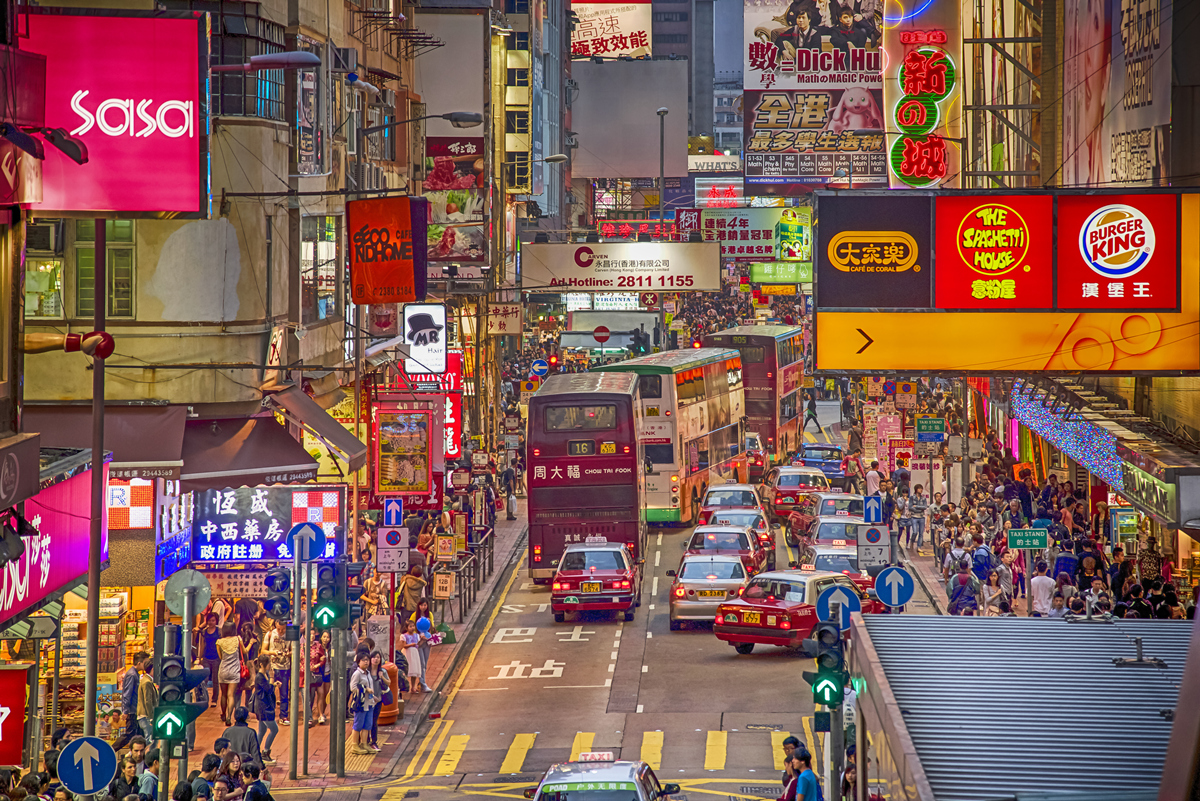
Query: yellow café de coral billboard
[1113, 285]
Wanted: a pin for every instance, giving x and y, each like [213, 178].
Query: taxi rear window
[720, 541]
[807, 479]
[748, 519]
[774, 590]
[852, 506]
[820, 453]
[837, 562]
[838, 531]
[712, 570]
[586, 560]
[730, 498]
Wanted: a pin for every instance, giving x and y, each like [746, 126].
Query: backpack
[962, 595]
[982, 562]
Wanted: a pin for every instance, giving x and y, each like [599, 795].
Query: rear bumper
[735, 635]
[662, 515]
[542, 572]
[695, 610]
[592, 602]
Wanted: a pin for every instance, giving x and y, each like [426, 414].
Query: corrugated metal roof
[1000, 706]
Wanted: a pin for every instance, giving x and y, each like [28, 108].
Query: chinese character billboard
[1116, 78]
[920, 90]
[744, 234]
[622, 266]
[813, 96]
[251, 523]
[611, 29]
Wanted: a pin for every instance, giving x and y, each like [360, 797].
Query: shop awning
[584, 339]
[146, 441]
[304, 411]
[242, 452]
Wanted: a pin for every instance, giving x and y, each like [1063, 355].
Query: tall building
[684, 28]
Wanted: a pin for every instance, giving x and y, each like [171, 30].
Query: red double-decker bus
[585, 469]
[772, 372]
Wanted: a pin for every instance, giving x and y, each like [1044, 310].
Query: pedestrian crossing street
[447, 752]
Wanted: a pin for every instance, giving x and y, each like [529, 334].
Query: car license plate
[712, 593]
[591, 586]
[751, 617]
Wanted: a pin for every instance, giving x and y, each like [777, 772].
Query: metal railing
[471, 570]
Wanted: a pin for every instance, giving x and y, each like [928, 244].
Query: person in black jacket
[264, 709]
[126, 782]
[242, 738]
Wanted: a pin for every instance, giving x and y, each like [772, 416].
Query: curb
[930, 594]
[473, 632]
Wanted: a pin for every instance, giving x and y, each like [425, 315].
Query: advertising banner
[1126, 284]
[1116, 78]
[618, 266]
[744, 234]
[425, 335]
[611, 29]
[789, 272]
[920, 86]
[16, 682]
[133, 89]
[503, 319]
[330, 468]
[402, 452]
[251, 523]
[387, 249]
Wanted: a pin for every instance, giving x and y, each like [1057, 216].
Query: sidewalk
[393, 739]
[929, 574]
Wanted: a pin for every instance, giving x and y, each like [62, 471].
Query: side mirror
[671, 573]
[642, 561]
[554, 563]
[668, 789]
[530, 792]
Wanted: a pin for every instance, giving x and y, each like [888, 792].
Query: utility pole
[835, 742]
[99, 312]
[294, 679]
[966, 438]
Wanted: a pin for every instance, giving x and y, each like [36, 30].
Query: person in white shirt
[873, 479]
[1041, 587]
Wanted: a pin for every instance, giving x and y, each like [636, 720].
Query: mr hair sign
[425, 335]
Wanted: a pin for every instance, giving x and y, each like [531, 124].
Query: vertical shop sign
[310, 115]
[924, 49]
[387, 249]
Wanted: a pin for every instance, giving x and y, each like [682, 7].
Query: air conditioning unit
[345, 59]
[43, 236]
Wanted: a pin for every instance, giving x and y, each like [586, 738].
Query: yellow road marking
[416, 758]
[515, 758]
[777, 738]
[652, 745]
[714, 750]
[825, 433]
[808, 437]
[454, 751]
[809, 738]
[433, 752]
[583, 742]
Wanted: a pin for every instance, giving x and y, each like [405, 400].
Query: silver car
[703, 583]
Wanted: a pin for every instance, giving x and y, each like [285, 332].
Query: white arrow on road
[892, 581]
[87, 754]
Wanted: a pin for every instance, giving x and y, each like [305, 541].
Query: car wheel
[676, 625]
[628, 615]
[559, 617]
[638, 601]
[771, 561]
[744, 647]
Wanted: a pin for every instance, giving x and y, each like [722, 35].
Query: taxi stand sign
[1029, 538]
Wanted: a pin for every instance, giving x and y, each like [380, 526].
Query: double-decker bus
[773, 370]
[586, 473]
[691, 428]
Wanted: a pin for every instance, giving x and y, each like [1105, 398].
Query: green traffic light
[828, 688]
[167, 725]
[324, 614]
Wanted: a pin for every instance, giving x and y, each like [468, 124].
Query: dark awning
[304, 411]
[146, 441]
[242, 452]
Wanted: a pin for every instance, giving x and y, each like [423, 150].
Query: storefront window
[43, 287]
[320, 259]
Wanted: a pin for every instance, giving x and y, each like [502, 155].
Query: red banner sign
[388, 249]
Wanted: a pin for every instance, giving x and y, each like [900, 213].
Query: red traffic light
[695, 343]
[553, 360]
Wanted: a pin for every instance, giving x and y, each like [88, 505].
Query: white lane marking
[618, 633]
[659, 539]
[526, 585]
[611, 667]
[654, 587]
[480, 689]
[614, 655]
[649, 635]
[657, 554]
[639, 709]
[571, 686]
[608, 682]
[651, 606]
[645, 668]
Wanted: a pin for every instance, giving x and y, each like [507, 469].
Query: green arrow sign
[827, 691]
[168, 724]
[325, 615]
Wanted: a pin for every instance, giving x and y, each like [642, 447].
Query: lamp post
[459, 119]
[662, 186]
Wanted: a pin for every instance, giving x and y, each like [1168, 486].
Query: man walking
[810, 413]
[147, 701]
[873, 478]
[852, 469]
[129, 699]
[1041, 587]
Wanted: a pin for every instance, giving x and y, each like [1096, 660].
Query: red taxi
[783, 488]
[839, 530]
[732, 540]
[753, 519]
[596, 577]
[757, 456]
[840, 557]
[821, 504]
[779, 608]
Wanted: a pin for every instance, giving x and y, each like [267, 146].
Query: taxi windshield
[712, 570]
[752, 443]
[589, 791]
[587, 560]
[837, 531]
[730, 498]
[720, 541]
[831, 506]
[806, 479]
[763, 589]
[837, 562]
[735, 518]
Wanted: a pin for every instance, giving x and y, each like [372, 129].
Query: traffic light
[641, 342]
[829, 681]
[279, 603]
[553, 362]
[347, 594]
[326, 611]
[175, 680]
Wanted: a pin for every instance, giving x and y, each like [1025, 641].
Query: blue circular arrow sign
[847, 597]
[87, 765]
[540, 367]
[895, 586]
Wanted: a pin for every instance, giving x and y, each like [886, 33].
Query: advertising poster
[920, 88]
[781, 272]
[329, 468]
[387, 259]
[402, 464]
[1117, 93]
[456, 231]
[310, 112]
[611, 29]
[454, 162]
[814, 96]
[744, 234]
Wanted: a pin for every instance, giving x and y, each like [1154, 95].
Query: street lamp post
[662, 186]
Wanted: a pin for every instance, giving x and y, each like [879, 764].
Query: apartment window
[320, 260]
[235, 39]
[670, 38]
[118, 266]
[43, 287]
[670, 16]
[516, 6]
[381, 146]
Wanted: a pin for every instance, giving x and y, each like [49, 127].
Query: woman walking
[264, 707]
[248, 633]
[424, 646]
[410, 591]
[383, 691]
[231, 670]
[993, 594]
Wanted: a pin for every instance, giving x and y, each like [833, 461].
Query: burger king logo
[1117, 241]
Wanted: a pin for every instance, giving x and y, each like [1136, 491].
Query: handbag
[245, 672]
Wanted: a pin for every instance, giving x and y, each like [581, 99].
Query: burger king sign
[1118, 252]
